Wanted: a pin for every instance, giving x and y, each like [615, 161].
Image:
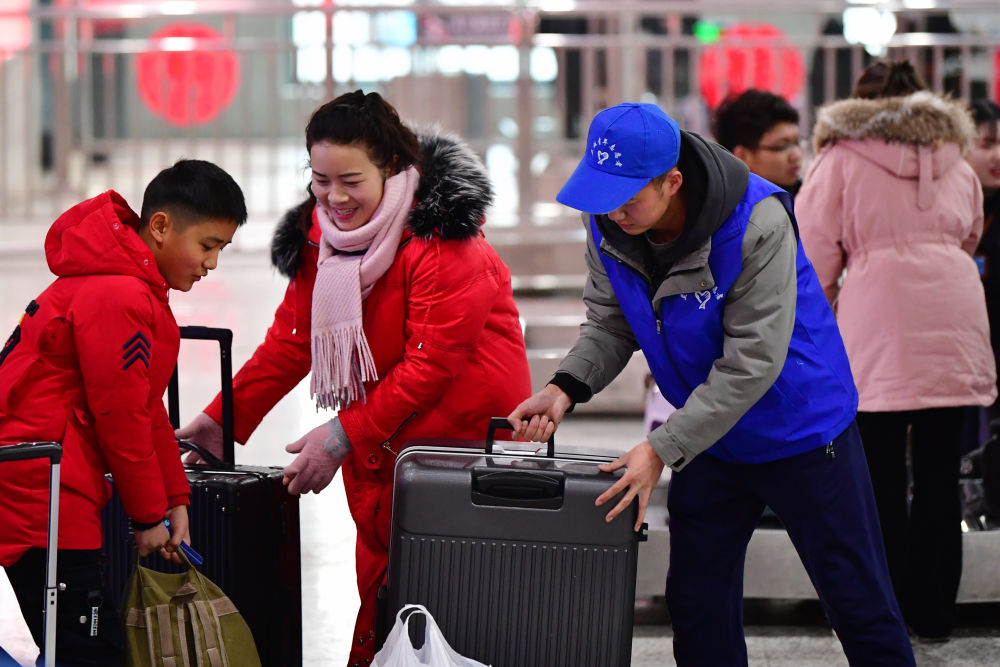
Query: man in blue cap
[697, 262]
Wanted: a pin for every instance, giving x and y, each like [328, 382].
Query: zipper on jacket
[830, 454]
[385, 445]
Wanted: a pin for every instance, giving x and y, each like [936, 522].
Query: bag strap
[415, 609]
[182, 628]
[164, 635]
[211, 633]
[412, 608]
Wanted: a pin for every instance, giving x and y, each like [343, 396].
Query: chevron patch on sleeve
[136, 349]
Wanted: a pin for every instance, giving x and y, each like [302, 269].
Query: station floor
[242, 295]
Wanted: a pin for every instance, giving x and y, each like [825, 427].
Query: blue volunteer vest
[814, 398]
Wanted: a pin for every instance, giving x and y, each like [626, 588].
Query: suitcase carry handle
[208, 457]
[501, 423]
[225, 339]
[32, 450]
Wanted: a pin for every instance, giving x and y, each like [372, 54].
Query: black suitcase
[53, 452]
[245, 525]
[508, 552]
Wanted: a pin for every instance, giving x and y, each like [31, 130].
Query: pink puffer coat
[890, 199]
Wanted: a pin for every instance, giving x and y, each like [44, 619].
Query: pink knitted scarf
[349, 265]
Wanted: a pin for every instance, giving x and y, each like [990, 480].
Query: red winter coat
[444, 333]
[87, 367]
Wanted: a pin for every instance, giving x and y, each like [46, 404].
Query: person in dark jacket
[697, 262]
[762, 129]
[984, 157]
[397, 304]
[87, 366]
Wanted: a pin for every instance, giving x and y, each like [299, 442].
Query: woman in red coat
[399, 307]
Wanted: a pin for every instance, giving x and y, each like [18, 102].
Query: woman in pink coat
[890, 198]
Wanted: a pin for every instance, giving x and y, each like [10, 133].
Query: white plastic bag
[398, 650]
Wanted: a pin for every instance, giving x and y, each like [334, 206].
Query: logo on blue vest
[704, 297]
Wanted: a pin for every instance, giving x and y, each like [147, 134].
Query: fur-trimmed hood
[451, 200]
[922, 118]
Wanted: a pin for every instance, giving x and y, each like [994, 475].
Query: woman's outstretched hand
[321, 451]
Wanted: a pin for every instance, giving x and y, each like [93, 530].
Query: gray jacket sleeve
[758, 319]
[606, 342]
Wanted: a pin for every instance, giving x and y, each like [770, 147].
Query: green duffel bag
[183, 620]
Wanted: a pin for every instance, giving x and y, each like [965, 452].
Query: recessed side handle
[534, 489]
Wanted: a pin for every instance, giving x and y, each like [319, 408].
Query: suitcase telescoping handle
[32, 450]
[225, 339]
[53, 452]
[501, 423]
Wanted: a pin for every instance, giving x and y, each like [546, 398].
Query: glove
[322, 449]
[204, 431]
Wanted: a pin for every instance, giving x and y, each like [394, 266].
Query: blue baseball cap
[627, 146]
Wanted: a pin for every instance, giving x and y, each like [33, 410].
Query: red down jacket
[87, 367]
[444, 333]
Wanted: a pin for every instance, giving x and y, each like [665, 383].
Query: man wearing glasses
[762, 129]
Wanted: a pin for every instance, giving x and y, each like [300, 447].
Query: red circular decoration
[187, 87]
[761, 59]
[15, 31]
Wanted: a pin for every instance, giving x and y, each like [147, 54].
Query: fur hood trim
[452, 199]
[289, 238]
[922, 118]
[454, 191]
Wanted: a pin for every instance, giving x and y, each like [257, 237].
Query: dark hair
[984, 111]
[741, 120]
[888, 78]
[193, 191]
[367, 120]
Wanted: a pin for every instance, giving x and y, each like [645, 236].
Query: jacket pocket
[790, 392]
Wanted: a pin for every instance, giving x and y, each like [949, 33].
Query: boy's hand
[148, 541]
[543, 411]
[203, 431]
[322, 449]
[642, 471]
[179, 531]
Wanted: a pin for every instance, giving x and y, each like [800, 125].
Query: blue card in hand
[188, 550]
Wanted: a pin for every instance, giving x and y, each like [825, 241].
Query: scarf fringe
[342, 363]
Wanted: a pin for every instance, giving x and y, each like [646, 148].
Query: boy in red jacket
[87, 366]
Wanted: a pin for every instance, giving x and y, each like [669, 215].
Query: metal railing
[91, 98]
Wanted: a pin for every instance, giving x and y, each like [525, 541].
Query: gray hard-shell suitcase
[53, 452]
[510, 555]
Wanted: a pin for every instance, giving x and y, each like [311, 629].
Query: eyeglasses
[783, 147]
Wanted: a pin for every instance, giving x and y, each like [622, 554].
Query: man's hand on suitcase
[543, 411]
[642, 471]
[203, 431]
[322, 449]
